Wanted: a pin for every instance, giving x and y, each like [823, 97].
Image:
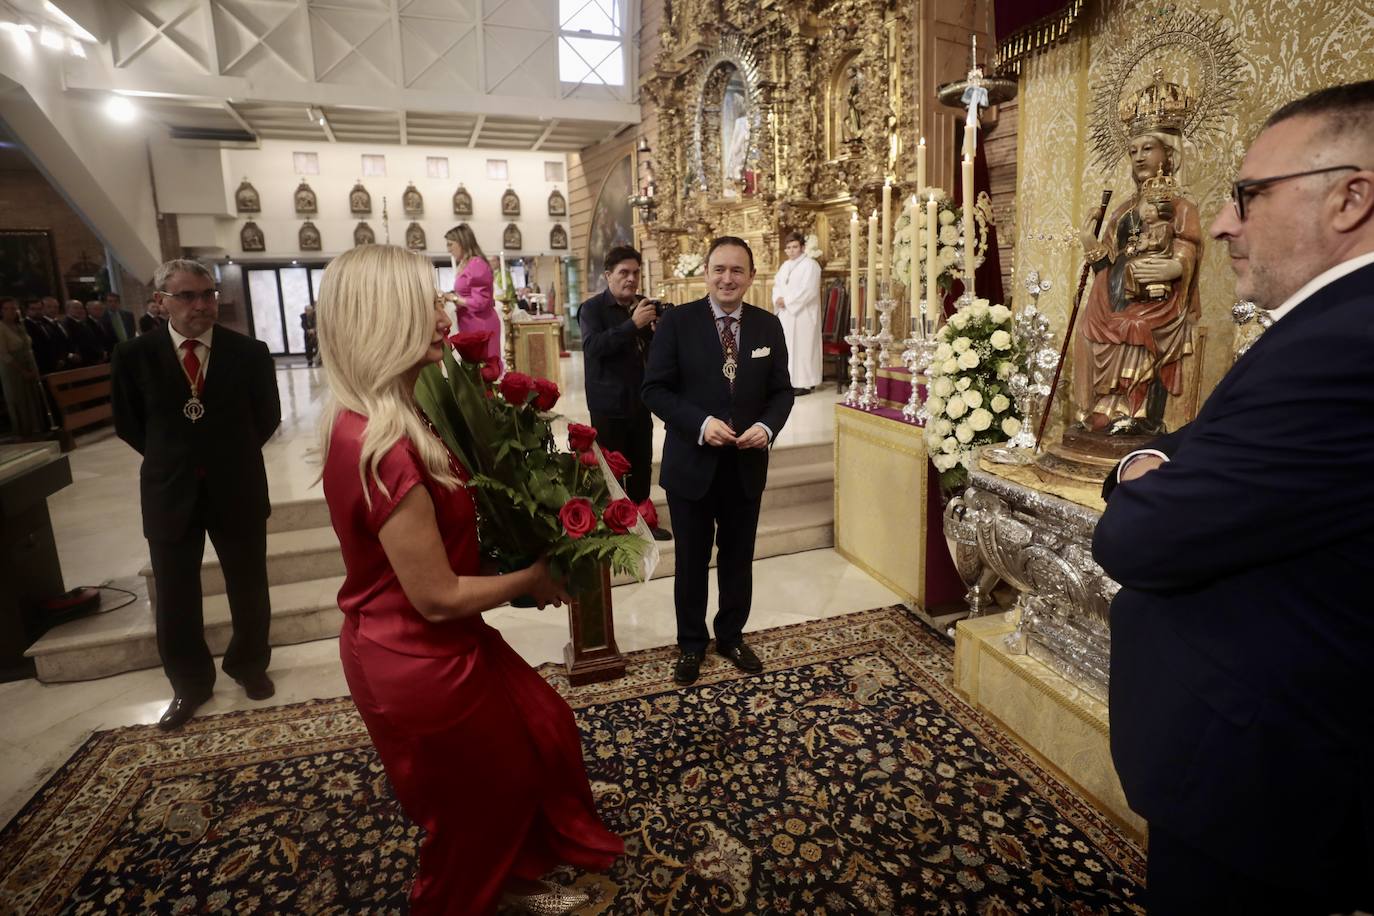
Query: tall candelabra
[920, 350]
[856, 367]
[884, 338]
[869, 399]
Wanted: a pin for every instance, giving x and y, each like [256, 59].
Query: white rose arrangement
[688, 265]
[969, 398]
[946, 247]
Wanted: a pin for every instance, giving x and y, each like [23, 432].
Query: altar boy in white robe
[797, 303]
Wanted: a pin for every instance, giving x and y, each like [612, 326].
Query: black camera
[660, 306]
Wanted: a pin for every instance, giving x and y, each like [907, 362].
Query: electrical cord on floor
[107, 587]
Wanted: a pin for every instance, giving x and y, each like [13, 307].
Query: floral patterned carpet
[847, 778]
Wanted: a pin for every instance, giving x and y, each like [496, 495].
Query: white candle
[854, 264]
[887, 231]
[913, 285]
[870, 294]
[934, 308]
[921, 165]
[968, 223]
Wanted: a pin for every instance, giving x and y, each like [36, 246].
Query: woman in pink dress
[482, 752]
[472, 289]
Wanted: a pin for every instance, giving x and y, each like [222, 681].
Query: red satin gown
[482, 753]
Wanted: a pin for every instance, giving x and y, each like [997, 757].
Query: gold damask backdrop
[1286, 48]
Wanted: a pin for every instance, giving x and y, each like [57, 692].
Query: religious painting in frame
[415, 237]
[308, 237]
[510, 239]
[510, 203]
[612, 222]
[462, 201]
[246, 198]
[558, 238]
[558, 204]
[28, 264]
[363, 235]
[359, 201]
[304, 200]
[251, 238]
[412, 201]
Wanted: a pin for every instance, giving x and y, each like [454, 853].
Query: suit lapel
[715, 350]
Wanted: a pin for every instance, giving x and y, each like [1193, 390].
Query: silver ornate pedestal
[1042, 546]
[856, 370]
[869, 398]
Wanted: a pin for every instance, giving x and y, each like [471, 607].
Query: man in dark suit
[717, 376]
[46, 351]
[1240, 706]
[198, 402]
[94, 309]
[89, 347]
[617, 328]
[118, 324]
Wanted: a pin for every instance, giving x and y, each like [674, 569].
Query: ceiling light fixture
[120, 109]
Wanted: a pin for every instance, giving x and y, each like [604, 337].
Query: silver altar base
[1042, 546]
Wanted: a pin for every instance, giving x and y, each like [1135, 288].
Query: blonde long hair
[375, 322]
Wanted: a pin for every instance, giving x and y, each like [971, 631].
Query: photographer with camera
[617, 327]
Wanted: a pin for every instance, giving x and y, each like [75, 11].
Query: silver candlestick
[869, 399]
[920, 350]
[884, 307]
[856, 369]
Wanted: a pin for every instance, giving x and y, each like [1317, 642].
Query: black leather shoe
[258, 686]
[661, 534]
[743, 658]
[798, 392]
[179, 712]
[687, 668]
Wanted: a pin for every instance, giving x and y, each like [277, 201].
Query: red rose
[648, 513]
[545, 394]
[588, 460]
[619, 464]
[490, 372]
[578, 517]
[471, 345]
[620, 515]
[580, 438]
[516, 387]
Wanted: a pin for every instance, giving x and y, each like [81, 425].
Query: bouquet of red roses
[532, 498]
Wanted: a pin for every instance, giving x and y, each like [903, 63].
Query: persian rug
[847, 778]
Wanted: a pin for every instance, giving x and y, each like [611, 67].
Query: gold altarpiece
[784, 115]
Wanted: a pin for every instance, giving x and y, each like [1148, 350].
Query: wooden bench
[82, 399]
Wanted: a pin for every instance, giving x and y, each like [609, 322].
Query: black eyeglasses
[1242, 191]
[189, 296]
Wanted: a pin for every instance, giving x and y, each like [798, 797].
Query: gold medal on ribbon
[728, 370]
[193, 409]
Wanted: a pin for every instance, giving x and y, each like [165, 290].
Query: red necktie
[191, 363]
[727, 341]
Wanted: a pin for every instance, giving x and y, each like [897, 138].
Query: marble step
[299, 555]
[126, 639]
[312, 512]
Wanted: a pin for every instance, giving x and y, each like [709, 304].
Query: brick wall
[27, 201]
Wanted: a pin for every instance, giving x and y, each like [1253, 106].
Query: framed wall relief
[308, 237]
[462, 201]
[304, 200]
[510, 203]
[412, 201]
[250, 237]
[558, 205]
[246, 198]
[363, 235]
[510, 239]
[415, 237]
[558, 238]
[359, 201]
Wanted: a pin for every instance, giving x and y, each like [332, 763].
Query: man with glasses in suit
[1241, 724]
[198, 402]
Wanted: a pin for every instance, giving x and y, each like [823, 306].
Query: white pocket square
[761, 351]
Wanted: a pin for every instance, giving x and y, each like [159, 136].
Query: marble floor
[99, 539]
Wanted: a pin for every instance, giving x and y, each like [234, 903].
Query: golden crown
[1158, 106]
[1159, 189]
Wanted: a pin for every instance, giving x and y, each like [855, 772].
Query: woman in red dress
[482, 753]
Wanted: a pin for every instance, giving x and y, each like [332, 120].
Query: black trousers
[1182, 880]
[730, 519]
[180, 612]
[633, 437]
